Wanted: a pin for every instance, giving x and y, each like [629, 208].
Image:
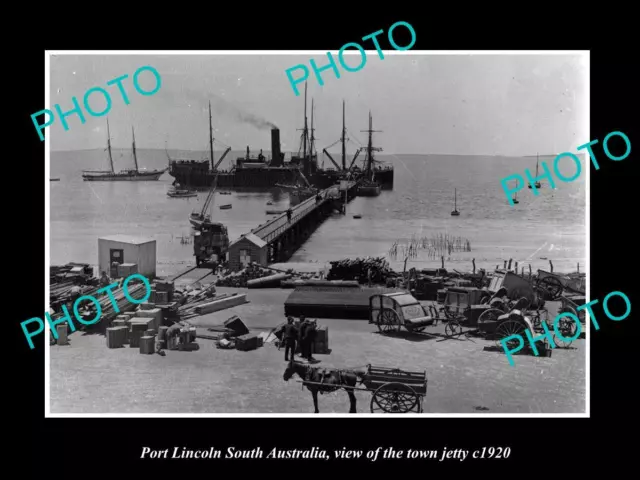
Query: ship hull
[368, 190]
[111, 177]
[385, 178]
[249, 177]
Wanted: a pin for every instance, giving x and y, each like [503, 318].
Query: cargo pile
[239, 279]
[63, 278]
[349, 269]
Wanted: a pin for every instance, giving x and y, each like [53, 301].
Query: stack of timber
[241, 278]
[87, 309]
[318, 283]
[63, 278]
[201, 305]
[332, 302]
[349, 269]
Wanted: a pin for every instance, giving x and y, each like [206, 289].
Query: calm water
[550, 226]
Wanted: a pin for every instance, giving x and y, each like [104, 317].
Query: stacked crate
[138, 327]
[155, 314]
[321, 341]
[163, 292]
[116, 337]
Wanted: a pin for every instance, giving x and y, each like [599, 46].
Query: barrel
[272, 281]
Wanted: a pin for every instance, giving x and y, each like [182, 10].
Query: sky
[512, 105]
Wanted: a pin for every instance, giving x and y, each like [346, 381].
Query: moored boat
[225, 207]
[131, 175]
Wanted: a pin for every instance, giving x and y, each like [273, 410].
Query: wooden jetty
[276, 240]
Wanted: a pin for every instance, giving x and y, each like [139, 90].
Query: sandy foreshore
[87, 377]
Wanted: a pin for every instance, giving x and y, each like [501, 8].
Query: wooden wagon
[395, 390]
[391, 311]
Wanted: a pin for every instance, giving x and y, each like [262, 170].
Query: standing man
[289, 213]
[289, 337]
[310, 336]
[304, 323]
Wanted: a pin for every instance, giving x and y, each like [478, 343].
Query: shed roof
[257, 241]
[127, 239]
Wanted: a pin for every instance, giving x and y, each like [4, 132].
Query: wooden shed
[125, 249]
[248, 248]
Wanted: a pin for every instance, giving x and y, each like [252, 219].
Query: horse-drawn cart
[393, 390]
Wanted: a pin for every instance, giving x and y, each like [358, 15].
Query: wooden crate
[247, 342]
[115, 337]
[147, 345]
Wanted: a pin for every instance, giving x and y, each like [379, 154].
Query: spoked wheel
[488, 317]
[567, 329]
[551, 286]
[395, 398]
[388, 321]
[453, 328]
[508, 328]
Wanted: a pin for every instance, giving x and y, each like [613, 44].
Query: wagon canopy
[404, 304]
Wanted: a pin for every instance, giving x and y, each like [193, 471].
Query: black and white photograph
[232, 236]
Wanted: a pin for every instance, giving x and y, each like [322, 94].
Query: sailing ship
[537, 184]
[455, 212]
[132, 175]
[368, 187]
[515, 195]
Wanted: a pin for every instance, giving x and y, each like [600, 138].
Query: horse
[325, 381]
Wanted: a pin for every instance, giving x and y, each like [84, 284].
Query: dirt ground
[87, 377]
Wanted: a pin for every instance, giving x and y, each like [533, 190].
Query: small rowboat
[225, 207]
[357, 216]
[181, 194]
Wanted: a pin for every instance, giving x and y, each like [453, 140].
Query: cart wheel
[567, 328]
[508, 328]
[489, 316]
[551, 286]
[453, 328]
[395, 398]
[387, 321]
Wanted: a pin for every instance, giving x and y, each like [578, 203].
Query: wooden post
[474, 265]
[516, 267]
[529, 271]
[522, 271]
[505, 265]
[510, 260]
[442, 258]
[551, 265]
[578, 267]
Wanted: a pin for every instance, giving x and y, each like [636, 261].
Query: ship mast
[343, 139]
[213, 167]
[109, 147]
[305, 132]
[312, 140]
[135, 158]
[370, 148]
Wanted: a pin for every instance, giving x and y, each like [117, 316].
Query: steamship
[248, 171]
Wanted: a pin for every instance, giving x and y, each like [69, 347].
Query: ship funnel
[276, 155]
